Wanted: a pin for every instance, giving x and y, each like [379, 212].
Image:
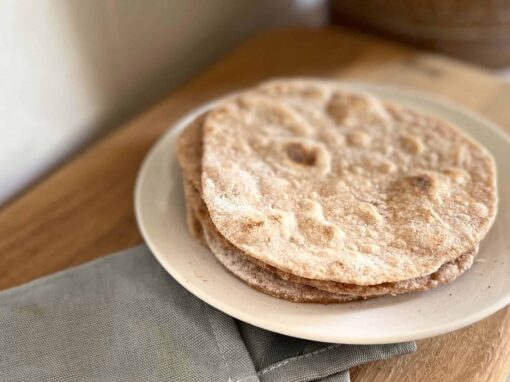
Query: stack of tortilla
[312, 192]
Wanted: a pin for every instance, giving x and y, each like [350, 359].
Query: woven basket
[474, 30]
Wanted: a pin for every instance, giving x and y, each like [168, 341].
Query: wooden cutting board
[85, 209]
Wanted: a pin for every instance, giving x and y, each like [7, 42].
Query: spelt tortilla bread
[257, 277]
[329, 184]
[446, 274]
[189, 154]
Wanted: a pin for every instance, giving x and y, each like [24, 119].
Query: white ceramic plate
[483, 290]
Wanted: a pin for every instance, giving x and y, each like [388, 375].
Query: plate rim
[230, 310]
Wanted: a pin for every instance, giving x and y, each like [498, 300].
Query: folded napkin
[123, 318]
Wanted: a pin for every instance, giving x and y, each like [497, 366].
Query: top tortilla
[329, 184]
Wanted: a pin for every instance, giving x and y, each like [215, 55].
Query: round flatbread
[329, 184]
[446, 274]
[247, 268]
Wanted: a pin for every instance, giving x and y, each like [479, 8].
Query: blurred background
[73, 69]
[70, 70]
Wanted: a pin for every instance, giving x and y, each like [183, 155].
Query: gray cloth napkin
[123, 318]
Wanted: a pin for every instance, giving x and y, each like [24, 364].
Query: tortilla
[329, 184]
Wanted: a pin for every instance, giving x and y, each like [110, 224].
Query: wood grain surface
[85, 209]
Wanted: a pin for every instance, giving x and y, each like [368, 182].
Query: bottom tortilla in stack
[271, 280]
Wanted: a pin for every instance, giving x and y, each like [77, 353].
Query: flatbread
[189, 152]
[446, 274]
[257, 277]
[329, 184]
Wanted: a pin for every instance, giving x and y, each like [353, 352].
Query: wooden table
[85, 209]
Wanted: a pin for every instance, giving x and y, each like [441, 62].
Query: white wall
[69, 68]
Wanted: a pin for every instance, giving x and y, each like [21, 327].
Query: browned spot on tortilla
[246, 226]
[300, 154]
[276, 217]
[327, 232]
[421, 183]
